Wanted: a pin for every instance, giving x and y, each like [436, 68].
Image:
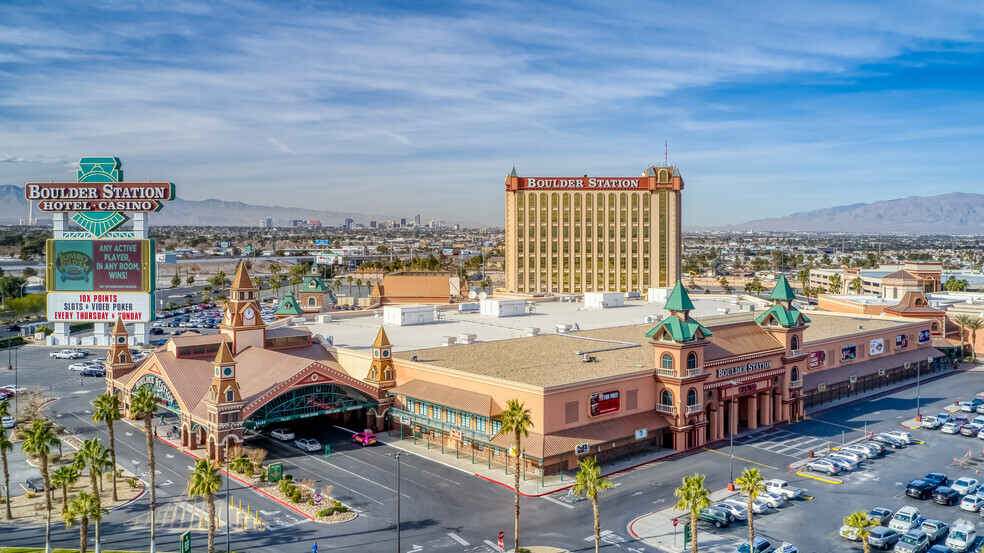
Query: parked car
[782, 488]
[880, 516]
[735, 509]
[761, 545]
[970, 429]
[951, 427]
[972, 503]
[850, 455]
[364, 438]
[78, 366]
[83, 351]
[935, 529]
[945, 495]
[825, 466]
[864, 452]
[941, 549]
[971, 406]
[900, 435]
[888, 441]
[308, 444]
[937, 479]
[94, 372]
[66, 354]
[934, 422]
[759, 506]
[771, 499]
[35, 484]
[905, 519]
[844, 461]
[283, 434]
[849, 533]
[8, 422]
[965, 485]
[881, 537]
[914, 541]
[715, 516]
[919, 489]
[980, 409]
[156, 331]
[877, 446]
[961, 537]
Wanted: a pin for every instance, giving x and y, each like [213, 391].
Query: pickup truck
[782, 488]
[66, 354]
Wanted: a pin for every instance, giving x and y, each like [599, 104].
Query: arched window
[919, 301]
[123, 357]
[388, 374]
[664, 175]
[936, 326]
[692, 397]
[311, 302]
[666, 361]
[794, 343]
[372, 374]
[666, 398]
[692, 361]
[794, 374]
[230, 395]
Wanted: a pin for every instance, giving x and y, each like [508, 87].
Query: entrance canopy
[308, 401]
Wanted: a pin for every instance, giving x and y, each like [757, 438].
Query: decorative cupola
[782, 320]
[381, 369]
[241, 317]
[679, 327]
[313, 293]
[224, 388]
[288, 307]
[119, 361]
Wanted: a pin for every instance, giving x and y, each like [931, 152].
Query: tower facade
[224, 402]
[584, 234]
[241, 320]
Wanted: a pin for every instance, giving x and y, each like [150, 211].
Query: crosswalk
[193, 516]
[785, 442]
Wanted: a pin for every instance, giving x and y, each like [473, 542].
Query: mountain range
[953, 213]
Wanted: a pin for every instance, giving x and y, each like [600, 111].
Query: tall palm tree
[692, 496]
[751, 483]
[517, 421]
[358, 287]
[5, 446]
[589, 481]
[93, 455]
[84, 507]
[64, 477]
[206, 482]
[37, 444]
[857, 285]
[973, 324]
[960, 321]
[862, 525]
[804, 278]
[143, 403]
[107, 408]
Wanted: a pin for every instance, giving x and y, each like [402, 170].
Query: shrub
[262, 475]
[296, 497]
[310, 502]
[336, 508]
[133, 481]
[30, 495]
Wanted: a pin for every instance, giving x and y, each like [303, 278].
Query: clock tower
[241, 320]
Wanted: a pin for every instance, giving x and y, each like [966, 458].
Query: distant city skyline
[768, 108]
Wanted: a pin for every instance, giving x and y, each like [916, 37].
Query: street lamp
[22, 288]
[397, 456]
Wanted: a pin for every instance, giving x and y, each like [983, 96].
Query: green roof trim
[783, 291]
[679, 330]
[319, 285]
[679, 300]
[786, 317]
[289, 306]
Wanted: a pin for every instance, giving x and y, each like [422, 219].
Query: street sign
[404, 419]
[275, 471]
[676, 521]
[185, 543]
[641, 433]
[502, 536]
[686, 535]
[320, 242]
[318, 498]
[582, 449]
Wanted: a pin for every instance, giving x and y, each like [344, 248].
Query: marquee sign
[77, 307]
[586, 183]
[99, 266]
[163, 394]
[742, 369]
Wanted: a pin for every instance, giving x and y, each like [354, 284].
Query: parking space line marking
[458, 539]
[740, 458]
[558, 502]
[827, 480]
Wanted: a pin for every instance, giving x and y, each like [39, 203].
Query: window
[372, 374]
[919, 301]
[692, 397]
[388, 374]
[666, 361]
[936, 326]
[794, 374]
[666, 398]
[311, 302]
[692, 361]
[122, 358]
[631, 400]
[496, 426]
[794, 343]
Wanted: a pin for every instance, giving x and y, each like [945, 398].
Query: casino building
[586, 234]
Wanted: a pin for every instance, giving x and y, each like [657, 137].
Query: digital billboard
[604, 403]
[100, 265]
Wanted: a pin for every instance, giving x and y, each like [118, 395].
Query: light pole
[22, 288]
[397, 456]
[228, 501]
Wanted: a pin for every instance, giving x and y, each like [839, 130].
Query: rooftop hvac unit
[860, 327]
[532, 331]
[586, 358]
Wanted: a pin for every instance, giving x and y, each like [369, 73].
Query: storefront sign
[923, 336]
[902, 341]
[876, 347]
[582, 449]
[604, 403]
[818, 359]
[849, 352]
[742, 369]
[641, 433]
[99, 265]
[77, 307]
[745, 388]
[404, 419]
[592, 183]
[90, 196]
[456, 434]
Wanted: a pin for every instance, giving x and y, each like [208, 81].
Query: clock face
[249, 313]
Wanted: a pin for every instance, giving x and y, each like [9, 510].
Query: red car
[364, 438]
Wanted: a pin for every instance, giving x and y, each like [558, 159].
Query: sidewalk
[530, 485]
[657, 530]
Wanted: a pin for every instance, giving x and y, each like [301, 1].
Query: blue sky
[401, 108]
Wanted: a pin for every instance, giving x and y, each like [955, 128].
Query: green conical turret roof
[679, 300]
[783, 291]
[288, 306]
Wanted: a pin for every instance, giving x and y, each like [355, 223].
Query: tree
[84, 507]
[834, 284]
[107, 409]
[517, 421]
[967, 322]
[953, 284]
[143, 403]
[190, 279]
[358, 287]
[692, 496]
[275, 285]
[63, 477]
[176, 280]
[5, 446]
[37, 444]
[205, 482]
[751, 483]
[862, 526]
[857, 285]
[589, 481]
[754, 286]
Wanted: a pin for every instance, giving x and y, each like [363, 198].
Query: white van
[907, 518]
[961, 538]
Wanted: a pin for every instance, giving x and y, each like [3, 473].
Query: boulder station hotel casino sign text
[67, 196]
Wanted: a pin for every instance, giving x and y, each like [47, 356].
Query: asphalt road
[445, 510]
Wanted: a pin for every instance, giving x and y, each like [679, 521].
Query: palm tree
[516, 419]
[206, 482]
[275, 285]
[143, 403]
[84, 507]
[751, 483]
[862, 525]
[973, 324]
[589, 481]
[834, 284]
[64, 477]
[857, 285]
[5, 446]
[107, 408]
[804, 278]
[960, 321]
[693, 497]
[37, 444]
[358, 287]
[96, 457]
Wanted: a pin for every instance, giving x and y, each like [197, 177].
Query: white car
[971, 503]
[283, 434]
[951, 428]
[901, 435]
[735, 508]
[773, 500]
[78, 366]
[308, 444]
[10, 388]
[8, 422]
[864, 452]
[961, 537]
[931, 422]
[964, 485]
[66, 354]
